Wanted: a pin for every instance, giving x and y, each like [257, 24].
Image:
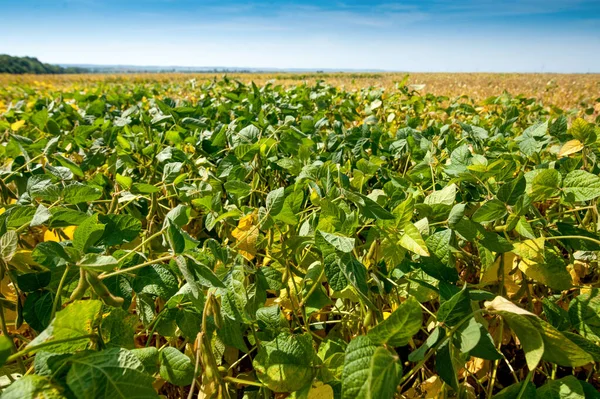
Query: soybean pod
[102, 291]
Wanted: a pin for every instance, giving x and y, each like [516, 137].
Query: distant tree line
[20, 65]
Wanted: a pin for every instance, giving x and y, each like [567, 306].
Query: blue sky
[426, 35]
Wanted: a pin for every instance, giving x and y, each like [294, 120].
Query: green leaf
[534, 138]
[176, 367]
[341, 243]
[41, 216]
[149, 357]
[72, 166]
[584, 314]
[171, 171]
[385, 372]
[445, 365]
[155, 280]
[6, 348]
[469, 335]
[37, 309]
[286, 363]
[124, 181]
[76, 322]
[30, 282]
[566, 387]
[544, 265]
[88, 233]
[206, 277]
[495, 242]
[588, 346]
[404, 212]
[490, 212]
[50, 254]
[33, 387]
[43, 188]
[237, 188]
[63, 217]
[545, 185]
[118, 329]
[524, 228]
[355, 273]
[538, 338]
[175, 237]
[485, 347]
[510, 191]
[369, 208]
[275, 200]
[98, 263]
[445, 196]
[557, 316]
[412, 240]
[441, 263]
[119, 229]
[178, 216]
[589, 390]
[455, 309]
[512, 392]
[369, 371]
[333, 271]
[144, 188]
[78, 193]
[580, 185]
[19, 216]
[583, 131]
[400, 326]
[112, 373]
[8, 245]
[528, 334]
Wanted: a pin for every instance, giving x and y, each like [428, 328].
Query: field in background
[173, 236]
[565, 91]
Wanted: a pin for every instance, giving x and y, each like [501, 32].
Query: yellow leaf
[429, 389]
[530, 249]
[474, 365]
[8, 291]
[17, 125]
[321, 392]
[50, 235]
[491, 275]
[570, 147]
[538, 265]
[289, 302]
[578, 270]
[246, 233]
[68, 231]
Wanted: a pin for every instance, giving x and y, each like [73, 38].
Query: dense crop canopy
[263, 241]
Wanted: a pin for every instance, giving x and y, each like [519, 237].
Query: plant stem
[59, 292]
[196, 368]
[144, 242]
[7, 334]
[314, 287]
[240, 381]
[45, 344]
[573, 238]
[14, 172]
[132, 268]
[525, 383]
[437, 345]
